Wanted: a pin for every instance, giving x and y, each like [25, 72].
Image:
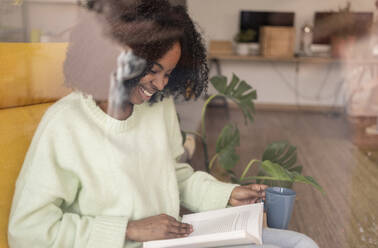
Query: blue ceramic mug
[279, 206]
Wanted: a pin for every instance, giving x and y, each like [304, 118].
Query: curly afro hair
[150, 28]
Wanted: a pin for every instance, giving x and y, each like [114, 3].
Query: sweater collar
[106, 120]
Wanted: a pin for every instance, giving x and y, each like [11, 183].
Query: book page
[232, 219]
[218, 225]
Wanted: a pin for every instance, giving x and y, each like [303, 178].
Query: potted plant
[243, 41]
[277, 165]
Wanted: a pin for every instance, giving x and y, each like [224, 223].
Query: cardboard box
[277, 42]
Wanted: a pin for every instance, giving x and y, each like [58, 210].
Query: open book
[224, 227]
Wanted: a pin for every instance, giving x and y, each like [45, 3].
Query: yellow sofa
[31, 78]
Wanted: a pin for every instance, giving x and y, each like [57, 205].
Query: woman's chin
[137, 101]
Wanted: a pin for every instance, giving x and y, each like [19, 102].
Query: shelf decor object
[244, 42]
[277, 42]
[307, 32]
[222, 47]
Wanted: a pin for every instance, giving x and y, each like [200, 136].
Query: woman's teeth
[146, 93]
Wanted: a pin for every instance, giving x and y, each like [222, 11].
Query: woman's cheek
[134, 96]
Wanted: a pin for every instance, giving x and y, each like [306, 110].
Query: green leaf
[239, 92]
[314, 183]
[289, 158]
[306, 179]
[232, 85]
[225, 147]
[289, 161]
[273, 151]
[281, 153]
[298, 169]
[242, 87]
[276, 171]
[249, 96]
[219, 83]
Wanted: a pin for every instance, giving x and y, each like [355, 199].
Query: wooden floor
[347, 216]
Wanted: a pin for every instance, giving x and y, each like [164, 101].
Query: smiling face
[158, 76]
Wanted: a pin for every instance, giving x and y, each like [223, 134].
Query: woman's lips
[144, 93]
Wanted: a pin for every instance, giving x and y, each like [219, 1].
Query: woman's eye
[153, 72]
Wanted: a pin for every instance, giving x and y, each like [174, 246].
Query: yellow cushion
[17, 126]
[31, 73]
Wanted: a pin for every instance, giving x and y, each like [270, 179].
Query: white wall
[52, 17]
[219, 20]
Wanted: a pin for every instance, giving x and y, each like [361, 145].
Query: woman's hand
[242, 195]
[157, 227]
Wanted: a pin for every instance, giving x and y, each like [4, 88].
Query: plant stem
[266, 178]
[212, 161]
[247, 168]
[203, 130]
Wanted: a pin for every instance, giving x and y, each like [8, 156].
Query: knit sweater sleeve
[199, 191]
[43, 188]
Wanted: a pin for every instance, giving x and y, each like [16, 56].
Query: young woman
[97, 178]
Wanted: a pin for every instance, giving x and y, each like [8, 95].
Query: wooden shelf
[74, 2]
[315, 60]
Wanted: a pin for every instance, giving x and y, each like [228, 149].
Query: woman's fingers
[176, 228]
[157, 227]
[258, 187]
[243, 202]
[180, 228]
[175, 235]
[248, 194]
[257, 190]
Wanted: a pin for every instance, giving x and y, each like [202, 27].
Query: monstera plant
[277, 167]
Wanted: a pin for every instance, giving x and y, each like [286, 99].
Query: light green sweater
[86, 175]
